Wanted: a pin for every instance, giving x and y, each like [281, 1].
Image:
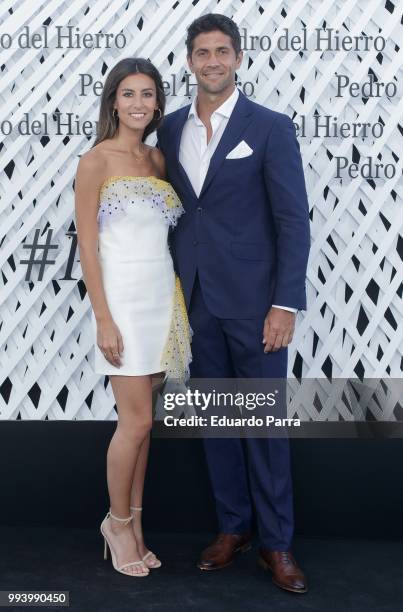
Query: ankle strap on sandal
[135, 508]
[121, 520]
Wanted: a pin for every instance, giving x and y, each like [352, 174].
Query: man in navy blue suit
[241, 252]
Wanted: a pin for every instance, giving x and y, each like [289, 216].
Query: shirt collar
[225, 109]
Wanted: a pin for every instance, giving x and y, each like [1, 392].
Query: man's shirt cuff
[294, 310]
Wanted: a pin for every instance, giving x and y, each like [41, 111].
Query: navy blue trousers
[250, 471]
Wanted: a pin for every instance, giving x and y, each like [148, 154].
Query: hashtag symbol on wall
[43, 249]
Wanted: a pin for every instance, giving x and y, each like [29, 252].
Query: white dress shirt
[195, 153]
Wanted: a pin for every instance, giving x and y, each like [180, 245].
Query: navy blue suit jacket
[247, 234]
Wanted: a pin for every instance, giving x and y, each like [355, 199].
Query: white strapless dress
[143, 293]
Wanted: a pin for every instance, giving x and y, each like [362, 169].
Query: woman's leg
[136, 499]
[134, 404]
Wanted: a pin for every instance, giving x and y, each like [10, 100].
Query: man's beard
[217, 88]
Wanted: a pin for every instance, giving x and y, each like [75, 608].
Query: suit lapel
[237, 123]
[178, 135]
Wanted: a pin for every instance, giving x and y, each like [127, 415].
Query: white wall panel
[353, 325]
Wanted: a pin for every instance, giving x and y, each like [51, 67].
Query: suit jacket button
[199, 208]
[195, 243]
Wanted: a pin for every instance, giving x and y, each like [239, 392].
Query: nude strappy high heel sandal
[120, 569]
[157, 563]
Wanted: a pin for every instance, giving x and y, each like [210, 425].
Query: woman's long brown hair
[107, 123]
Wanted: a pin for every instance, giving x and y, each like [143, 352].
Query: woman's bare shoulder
[92, 165]
[156, 153]
[158, 160]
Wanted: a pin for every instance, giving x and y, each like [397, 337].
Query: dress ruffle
[177, 355]
[118, 192]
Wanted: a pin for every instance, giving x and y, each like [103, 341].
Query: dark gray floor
[343, 575]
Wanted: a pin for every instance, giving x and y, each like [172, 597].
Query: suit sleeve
[285, 183]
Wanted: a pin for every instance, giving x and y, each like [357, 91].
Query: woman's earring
[158, 109]
[115, 113]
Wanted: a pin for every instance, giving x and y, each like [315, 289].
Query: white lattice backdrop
[353, 327]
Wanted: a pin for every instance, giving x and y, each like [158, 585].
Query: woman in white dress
[124, 211]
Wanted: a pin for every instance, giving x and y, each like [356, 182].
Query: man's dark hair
[209, 23]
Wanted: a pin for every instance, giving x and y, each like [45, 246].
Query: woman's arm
[89, 178]
[88, 181]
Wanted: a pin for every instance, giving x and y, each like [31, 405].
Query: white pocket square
[241, 150]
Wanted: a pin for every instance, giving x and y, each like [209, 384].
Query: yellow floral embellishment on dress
[170, 200]
[132, 177]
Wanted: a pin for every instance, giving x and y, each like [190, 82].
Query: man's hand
[278, 329]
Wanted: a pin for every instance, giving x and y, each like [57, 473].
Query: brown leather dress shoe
[223, 550]
[286, 573]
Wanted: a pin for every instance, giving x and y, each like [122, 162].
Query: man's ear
[190, 63]
[239, 59]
